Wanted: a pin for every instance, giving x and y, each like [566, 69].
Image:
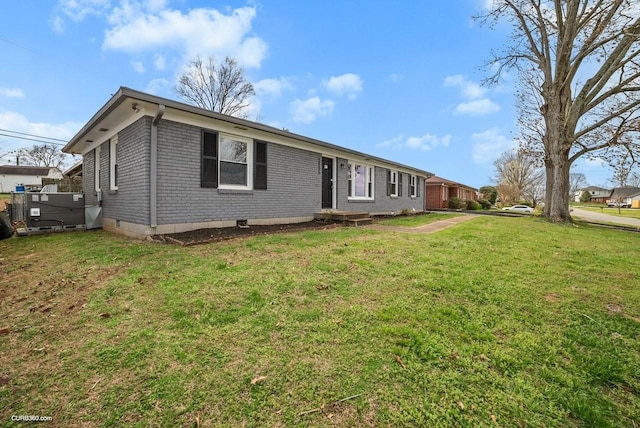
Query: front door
[327, 183]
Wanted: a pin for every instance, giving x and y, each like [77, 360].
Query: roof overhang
[126, 104]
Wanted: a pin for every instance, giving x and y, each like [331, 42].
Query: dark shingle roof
[625, 192]
[24, 170]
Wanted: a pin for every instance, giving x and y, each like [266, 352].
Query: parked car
[519, 209]
[615, 204]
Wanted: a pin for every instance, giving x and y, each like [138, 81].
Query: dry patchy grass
[508, 321]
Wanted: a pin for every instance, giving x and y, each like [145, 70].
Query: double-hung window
[96, 169]
[232, 162]
[113, 163]
[392, 183]
[413, 186]
[360, 181]
[235, 158]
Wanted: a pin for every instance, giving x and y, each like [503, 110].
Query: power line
[32, 139]
[36, 138]
[32, 135]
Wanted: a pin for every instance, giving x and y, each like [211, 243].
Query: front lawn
[493, 322]
[416, 220]
[623, 212]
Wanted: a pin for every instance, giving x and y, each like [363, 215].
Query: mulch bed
[204, 236]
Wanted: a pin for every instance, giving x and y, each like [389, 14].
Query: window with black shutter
[209, 165]
[260, 173]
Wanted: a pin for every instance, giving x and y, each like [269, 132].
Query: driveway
[596, 217]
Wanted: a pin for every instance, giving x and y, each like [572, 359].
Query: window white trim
[393, 181]
[413, 186]
[96, 169]
[113, 163]
[249, 162]
[368, 183]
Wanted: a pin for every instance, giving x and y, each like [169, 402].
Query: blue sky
[397, 79]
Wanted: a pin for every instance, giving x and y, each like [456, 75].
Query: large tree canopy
[217, 87]
[578, 62]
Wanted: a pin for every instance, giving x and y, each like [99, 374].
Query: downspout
[153, 170]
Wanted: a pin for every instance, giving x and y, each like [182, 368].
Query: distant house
[625, 197]
[157, 166]
[599, 195]
[29, 176]
[440, 190]
[74, 171]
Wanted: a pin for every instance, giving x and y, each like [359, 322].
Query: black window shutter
[209, 164]
[388, 182]
[260, 168]
[417, 186]
[399, 184]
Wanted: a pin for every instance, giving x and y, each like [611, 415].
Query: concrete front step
[355, 222]
[341, 215]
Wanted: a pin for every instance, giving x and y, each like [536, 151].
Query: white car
[519, 209]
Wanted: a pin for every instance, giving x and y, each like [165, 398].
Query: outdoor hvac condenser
[52, 211]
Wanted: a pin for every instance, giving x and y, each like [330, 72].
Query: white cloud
[307, 111]
[76, 10]
[348, 85]
[468, 89]
[11, 92]
[272, 87]
[489, 145]
[158, 86]
[395, 77]
[138, 66]
[477, 107]
[159, 62]
[17, 122]
[425, 143]
[477, 104]
[138, 28]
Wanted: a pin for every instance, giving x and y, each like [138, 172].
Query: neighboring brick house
[29, 176]
[158, 166]
[440, 190]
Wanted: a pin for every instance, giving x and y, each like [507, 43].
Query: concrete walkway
[596, 217]
[425, 228]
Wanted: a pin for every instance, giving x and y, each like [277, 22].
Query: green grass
[417, 220]
[508, 319]
[624, 212]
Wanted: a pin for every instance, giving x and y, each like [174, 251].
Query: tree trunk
[557, 198]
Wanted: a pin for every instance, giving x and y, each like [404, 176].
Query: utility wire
[32, 135]
[32, 139]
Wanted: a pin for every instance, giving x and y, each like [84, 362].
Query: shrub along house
[157, 166]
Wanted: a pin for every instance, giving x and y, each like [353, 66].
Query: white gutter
[153, 170]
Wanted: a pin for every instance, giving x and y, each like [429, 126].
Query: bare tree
[634, 179]
[508, 194]
[44, 155]
[579, 70]
[519, 177]
[220, 88]
[577, 181]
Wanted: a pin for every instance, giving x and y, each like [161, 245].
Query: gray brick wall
[293, 177]
[381, 202]
[131, 201]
